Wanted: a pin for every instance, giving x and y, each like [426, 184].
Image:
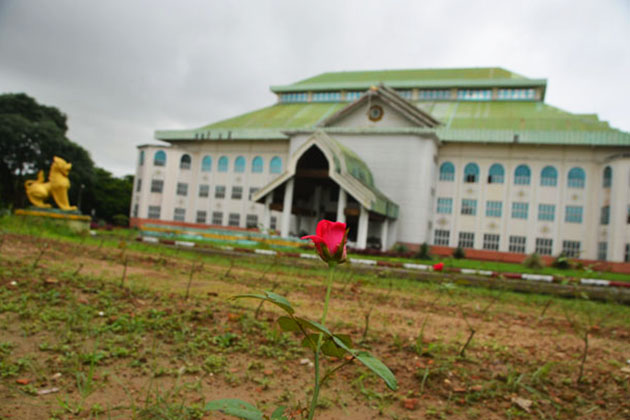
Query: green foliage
[562, 262]
[424, 252]
[401, 249]
[533, 261]
[109, 197]
[458, 253]
[31, 134]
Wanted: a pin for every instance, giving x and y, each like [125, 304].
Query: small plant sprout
[42, 249]
[124, 272]
[330, 243]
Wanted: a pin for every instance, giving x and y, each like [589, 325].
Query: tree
[109, 197]
[30, 135]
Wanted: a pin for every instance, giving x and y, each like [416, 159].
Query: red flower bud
[330, 241]
[438, 266]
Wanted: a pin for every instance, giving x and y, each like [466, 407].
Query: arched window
[577, 178]
[185, 161]
[223, 164]
[522, 175]
[159, 159]
[141, 158]
[239, 164]
[496, 174]
[257, 165]
[206, 164]
[275, 166]
[447, 171]
[471, 172]
[607, 177]
[549, 176]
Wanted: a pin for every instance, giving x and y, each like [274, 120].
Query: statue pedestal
[74, 220]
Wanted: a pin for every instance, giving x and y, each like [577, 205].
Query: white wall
[563, 158]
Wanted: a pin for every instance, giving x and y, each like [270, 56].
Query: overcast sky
[122, 69]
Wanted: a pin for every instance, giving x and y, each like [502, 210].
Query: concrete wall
[172, 174]
[592, 197]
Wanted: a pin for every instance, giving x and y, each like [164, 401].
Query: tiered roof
[463, 118]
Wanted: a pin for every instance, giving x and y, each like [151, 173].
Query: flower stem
[311, 411]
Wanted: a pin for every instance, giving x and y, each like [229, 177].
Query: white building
[454, 157]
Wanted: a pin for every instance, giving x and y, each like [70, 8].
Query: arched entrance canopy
[324, 164]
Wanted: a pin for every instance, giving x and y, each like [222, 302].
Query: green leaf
[371, 363]
[291, 324]
[236, 408]
[314, 326]
[379, 368]
[281, 301]
[288, 324]
[329, 348]
[310, 342]
[277, 300]
[278, 413]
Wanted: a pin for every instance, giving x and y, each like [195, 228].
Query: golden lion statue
[58, 184]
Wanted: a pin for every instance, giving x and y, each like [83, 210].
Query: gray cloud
[122, 69]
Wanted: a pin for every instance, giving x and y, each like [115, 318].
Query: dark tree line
[30, 135]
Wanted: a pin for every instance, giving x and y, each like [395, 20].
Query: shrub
[423, 253]
[533, 261]
[562, 262]
[459, 253]
[121, 220]
[401, 249]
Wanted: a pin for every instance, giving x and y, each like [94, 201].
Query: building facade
[454, 157]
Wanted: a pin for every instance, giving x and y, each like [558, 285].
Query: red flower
[438, 266]
[330, 240]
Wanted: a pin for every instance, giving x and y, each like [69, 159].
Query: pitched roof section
[346, 168]
[392, 99]
[422, 78]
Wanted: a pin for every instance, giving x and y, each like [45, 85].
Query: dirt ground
[114, 345]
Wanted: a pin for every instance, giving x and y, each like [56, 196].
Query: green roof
[423, 78]
[478, 121]
[408, 75]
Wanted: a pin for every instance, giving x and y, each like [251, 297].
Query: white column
[363, 228]
[266, 221]
[341, 205]
[286, 208]
[384, 228]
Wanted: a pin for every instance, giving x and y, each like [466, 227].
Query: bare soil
[518, 364]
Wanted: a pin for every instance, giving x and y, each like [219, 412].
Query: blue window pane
[573, 214]
[185, 162]
[141, 157]
[223, 164]
[607, 177]
[206, 164]
[522, 175]
[159, 159]
[519, 210]
[326, 96]
[494, 208]
[546, 212]
[469, 207]
[275, 166]
[257, 165]
[445, 205]
[496, 174]
[447, 171]
[577, 178]
[549, 176]
[471, 172]
[353, 95]
[239, 164]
